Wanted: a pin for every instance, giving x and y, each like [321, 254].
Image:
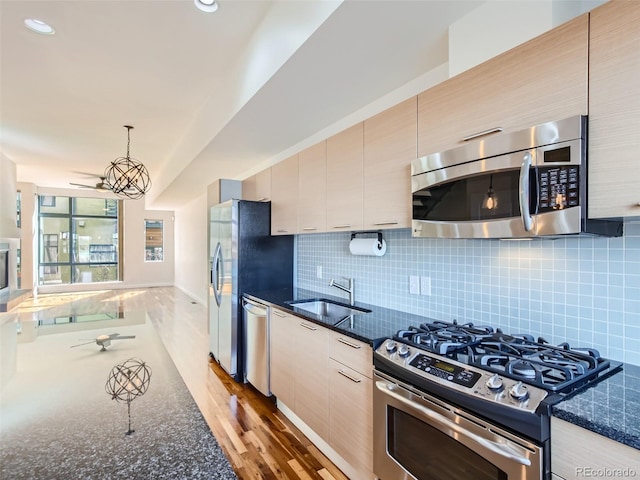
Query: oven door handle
[443, 422]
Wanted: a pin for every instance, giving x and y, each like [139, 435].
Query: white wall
[192, 258]
[8, 189]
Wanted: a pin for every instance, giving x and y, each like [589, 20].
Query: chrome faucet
[349, 289]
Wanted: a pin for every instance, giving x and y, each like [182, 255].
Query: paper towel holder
[353, 236]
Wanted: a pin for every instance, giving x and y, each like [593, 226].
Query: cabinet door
[312, 189]
[575, 452]
[390, 145]
[281, 358]
[257, 187]
[351, 423]
[284, 197]
[345, 176]
[311, 376]
[614, 110]
[542, 80]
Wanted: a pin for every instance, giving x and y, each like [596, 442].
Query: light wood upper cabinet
[542, 80]
[284, 197]
[614, 110]
[258, 186]
[345, 179]
[390, 145]
[312, 189]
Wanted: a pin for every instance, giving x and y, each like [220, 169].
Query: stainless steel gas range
[465, 402]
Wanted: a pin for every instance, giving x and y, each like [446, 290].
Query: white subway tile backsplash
[585, 290]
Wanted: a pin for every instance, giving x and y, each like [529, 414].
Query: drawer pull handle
[345, 374]
[309, 228]
[346, 225]
[308, 327]
[391, 222]
[283, 231]
[278, 314]
[483, 133]
[352, 345]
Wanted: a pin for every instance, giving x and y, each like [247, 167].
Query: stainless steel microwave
[525, 184]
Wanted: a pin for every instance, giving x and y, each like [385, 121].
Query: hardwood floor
[258, 440]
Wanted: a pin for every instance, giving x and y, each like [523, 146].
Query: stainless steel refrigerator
[244, 257]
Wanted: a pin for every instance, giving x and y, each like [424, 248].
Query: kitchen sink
[327, 308]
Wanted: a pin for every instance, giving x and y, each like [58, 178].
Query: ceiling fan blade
[123, 337]
[82, 185]
[80, 344]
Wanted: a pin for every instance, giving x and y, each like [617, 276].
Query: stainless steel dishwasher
[256, 329]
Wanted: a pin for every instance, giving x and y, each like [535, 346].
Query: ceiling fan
[101, 185]
[105, 340]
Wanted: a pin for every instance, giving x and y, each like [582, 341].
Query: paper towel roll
[367, 246]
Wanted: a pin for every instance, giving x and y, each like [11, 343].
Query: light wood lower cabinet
[311, 387]
[577, 453]
[282, 352]
[325, 379]
[351, 402]
[614, 110]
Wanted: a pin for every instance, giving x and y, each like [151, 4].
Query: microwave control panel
[558, 187]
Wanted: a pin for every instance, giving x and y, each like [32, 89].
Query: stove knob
[390, 346]
[519, 391]
[495, 383]
[403, 351]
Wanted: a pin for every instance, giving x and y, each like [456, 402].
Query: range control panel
[467, 379]
[445, 370]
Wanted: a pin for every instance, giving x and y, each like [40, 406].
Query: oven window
[429, 454]
[489, 196]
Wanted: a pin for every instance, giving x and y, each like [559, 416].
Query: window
[79, 241]
[153, 246]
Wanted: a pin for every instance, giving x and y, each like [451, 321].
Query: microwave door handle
[443, 422]
[527, 220]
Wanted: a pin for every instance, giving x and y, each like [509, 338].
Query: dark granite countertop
[610, 408]
[379, 323]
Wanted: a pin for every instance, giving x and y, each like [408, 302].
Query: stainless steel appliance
[244, 257]
[471, 403]
[531, 183]
[256, 328]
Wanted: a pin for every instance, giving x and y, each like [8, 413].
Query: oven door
[419, 437]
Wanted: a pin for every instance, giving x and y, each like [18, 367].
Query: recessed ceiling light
[209, 6]
[39, 26]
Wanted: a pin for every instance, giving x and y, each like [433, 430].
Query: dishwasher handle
[256, 309]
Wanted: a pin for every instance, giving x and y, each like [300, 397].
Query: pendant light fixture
[127, 177]
[490, 201]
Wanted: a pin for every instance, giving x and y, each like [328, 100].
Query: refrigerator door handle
[217, 274]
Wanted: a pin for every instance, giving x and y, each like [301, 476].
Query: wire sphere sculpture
[127, 177]
[127, 381]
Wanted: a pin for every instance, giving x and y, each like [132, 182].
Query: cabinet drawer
[352, 353]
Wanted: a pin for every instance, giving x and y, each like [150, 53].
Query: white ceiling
[210, 95]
